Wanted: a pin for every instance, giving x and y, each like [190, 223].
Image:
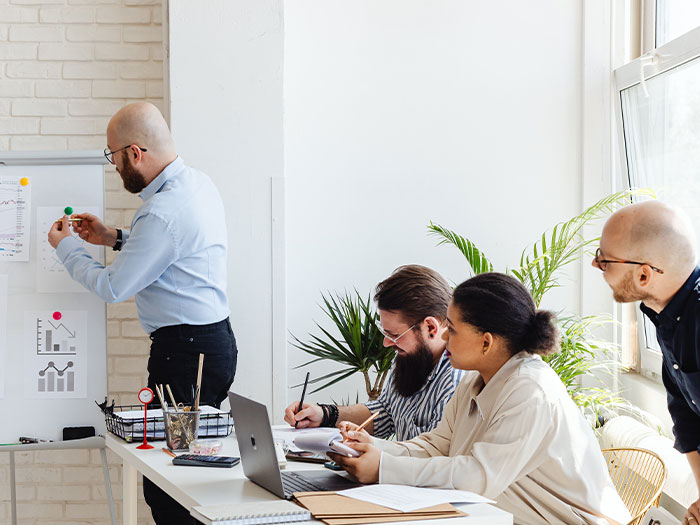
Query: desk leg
[129, 496]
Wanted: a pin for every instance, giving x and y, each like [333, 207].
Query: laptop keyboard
[293, 482]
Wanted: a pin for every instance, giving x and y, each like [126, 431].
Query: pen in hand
[365, 423]
[301, 401]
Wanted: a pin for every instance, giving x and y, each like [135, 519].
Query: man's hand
[59, 231]
[692, 517]
[92, 230]
[309, 416]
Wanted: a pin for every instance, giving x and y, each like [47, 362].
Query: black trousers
[174, 360]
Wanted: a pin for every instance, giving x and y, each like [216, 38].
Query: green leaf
[354, 342]
[477, 261]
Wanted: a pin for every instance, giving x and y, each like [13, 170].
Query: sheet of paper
[157, 412]
[51, 276]
[55, 354]
[406, 498]
[15, 222]
[287, 434]
[3, 332]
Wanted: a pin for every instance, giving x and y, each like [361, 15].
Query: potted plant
[539, 268]
[359, 348]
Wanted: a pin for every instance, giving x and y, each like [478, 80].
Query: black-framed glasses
[603, 263]
[108, 154]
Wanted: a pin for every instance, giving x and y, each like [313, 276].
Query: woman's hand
[365, 468]
[350, 433]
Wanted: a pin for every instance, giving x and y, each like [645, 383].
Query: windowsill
[647, 395]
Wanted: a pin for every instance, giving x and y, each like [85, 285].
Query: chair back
[639, 476]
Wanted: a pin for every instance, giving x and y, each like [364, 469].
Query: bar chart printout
[15, 203]
[56, 354]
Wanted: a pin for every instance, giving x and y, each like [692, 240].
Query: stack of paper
[334, 509]
[407, 498]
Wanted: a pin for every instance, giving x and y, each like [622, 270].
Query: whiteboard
[53, 356]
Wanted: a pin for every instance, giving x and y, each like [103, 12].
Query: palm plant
[360, 345]
[540, 266]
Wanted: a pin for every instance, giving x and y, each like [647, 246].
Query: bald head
[142, 124]
[652, 232]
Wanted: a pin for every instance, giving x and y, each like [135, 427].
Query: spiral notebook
[278, 511]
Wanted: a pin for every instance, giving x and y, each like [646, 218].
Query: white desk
[192, 486]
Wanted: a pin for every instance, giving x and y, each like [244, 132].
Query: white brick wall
[65, 67]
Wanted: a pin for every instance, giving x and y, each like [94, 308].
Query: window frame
[682, 50]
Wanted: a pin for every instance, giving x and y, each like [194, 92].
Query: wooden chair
[639, 476]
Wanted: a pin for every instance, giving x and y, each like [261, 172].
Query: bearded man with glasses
[412, 305]
[648, 253]
[172, 260]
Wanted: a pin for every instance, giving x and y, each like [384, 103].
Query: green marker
[68, 211]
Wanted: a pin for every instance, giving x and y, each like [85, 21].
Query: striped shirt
[409, 416]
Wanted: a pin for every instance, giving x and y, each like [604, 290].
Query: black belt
[188, 329]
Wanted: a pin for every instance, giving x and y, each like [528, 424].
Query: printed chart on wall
[15, 204]
[55, 359]
[51, 276]
[3, 331]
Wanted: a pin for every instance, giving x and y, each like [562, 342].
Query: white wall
[395, 113]
[226, 118]
[402, 112]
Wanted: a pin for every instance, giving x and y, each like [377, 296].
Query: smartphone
[198, 460]
[332, 465]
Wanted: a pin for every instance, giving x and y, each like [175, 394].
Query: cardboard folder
[334, 509]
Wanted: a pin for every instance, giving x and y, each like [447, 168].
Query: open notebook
[277, 511]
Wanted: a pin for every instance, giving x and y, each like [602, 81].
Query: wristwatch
[118, 245]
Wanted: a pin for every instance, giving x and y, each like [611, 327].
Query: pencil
[365, 423]
[160, 396]
[199, 381]
[172, 398]
[70, 220]
[169, 453]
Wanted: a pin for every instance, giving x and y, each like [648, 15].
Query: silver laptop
[257, 450]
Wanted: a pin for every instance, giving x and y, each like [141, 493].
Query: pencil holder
[181, 428]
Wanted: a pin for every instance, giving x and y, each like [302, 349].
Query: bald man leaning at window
[648, 253]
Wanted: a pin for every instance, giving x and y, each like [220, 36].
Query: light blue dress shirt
[173, 259]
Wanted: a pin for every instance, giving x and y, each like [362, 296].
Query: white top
[519, 440]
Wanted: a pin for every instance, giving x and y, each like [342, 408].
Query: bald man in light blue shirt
[172, 260]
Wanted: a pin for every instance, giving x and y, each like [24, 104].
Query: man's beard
[411, 371]
[625, 291]
[132, 178]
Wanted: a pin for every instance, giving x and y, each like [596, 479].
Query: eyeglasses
[603, 263]
[393, 339]
[108, 154]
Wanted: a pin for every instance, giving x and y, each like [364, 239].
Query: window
[660, 115]
[675, 18]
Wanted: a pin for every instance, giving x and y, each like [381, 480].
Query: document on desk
[406, 498]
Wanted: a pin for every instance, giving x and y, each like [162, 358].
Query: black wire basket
[131, 429]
